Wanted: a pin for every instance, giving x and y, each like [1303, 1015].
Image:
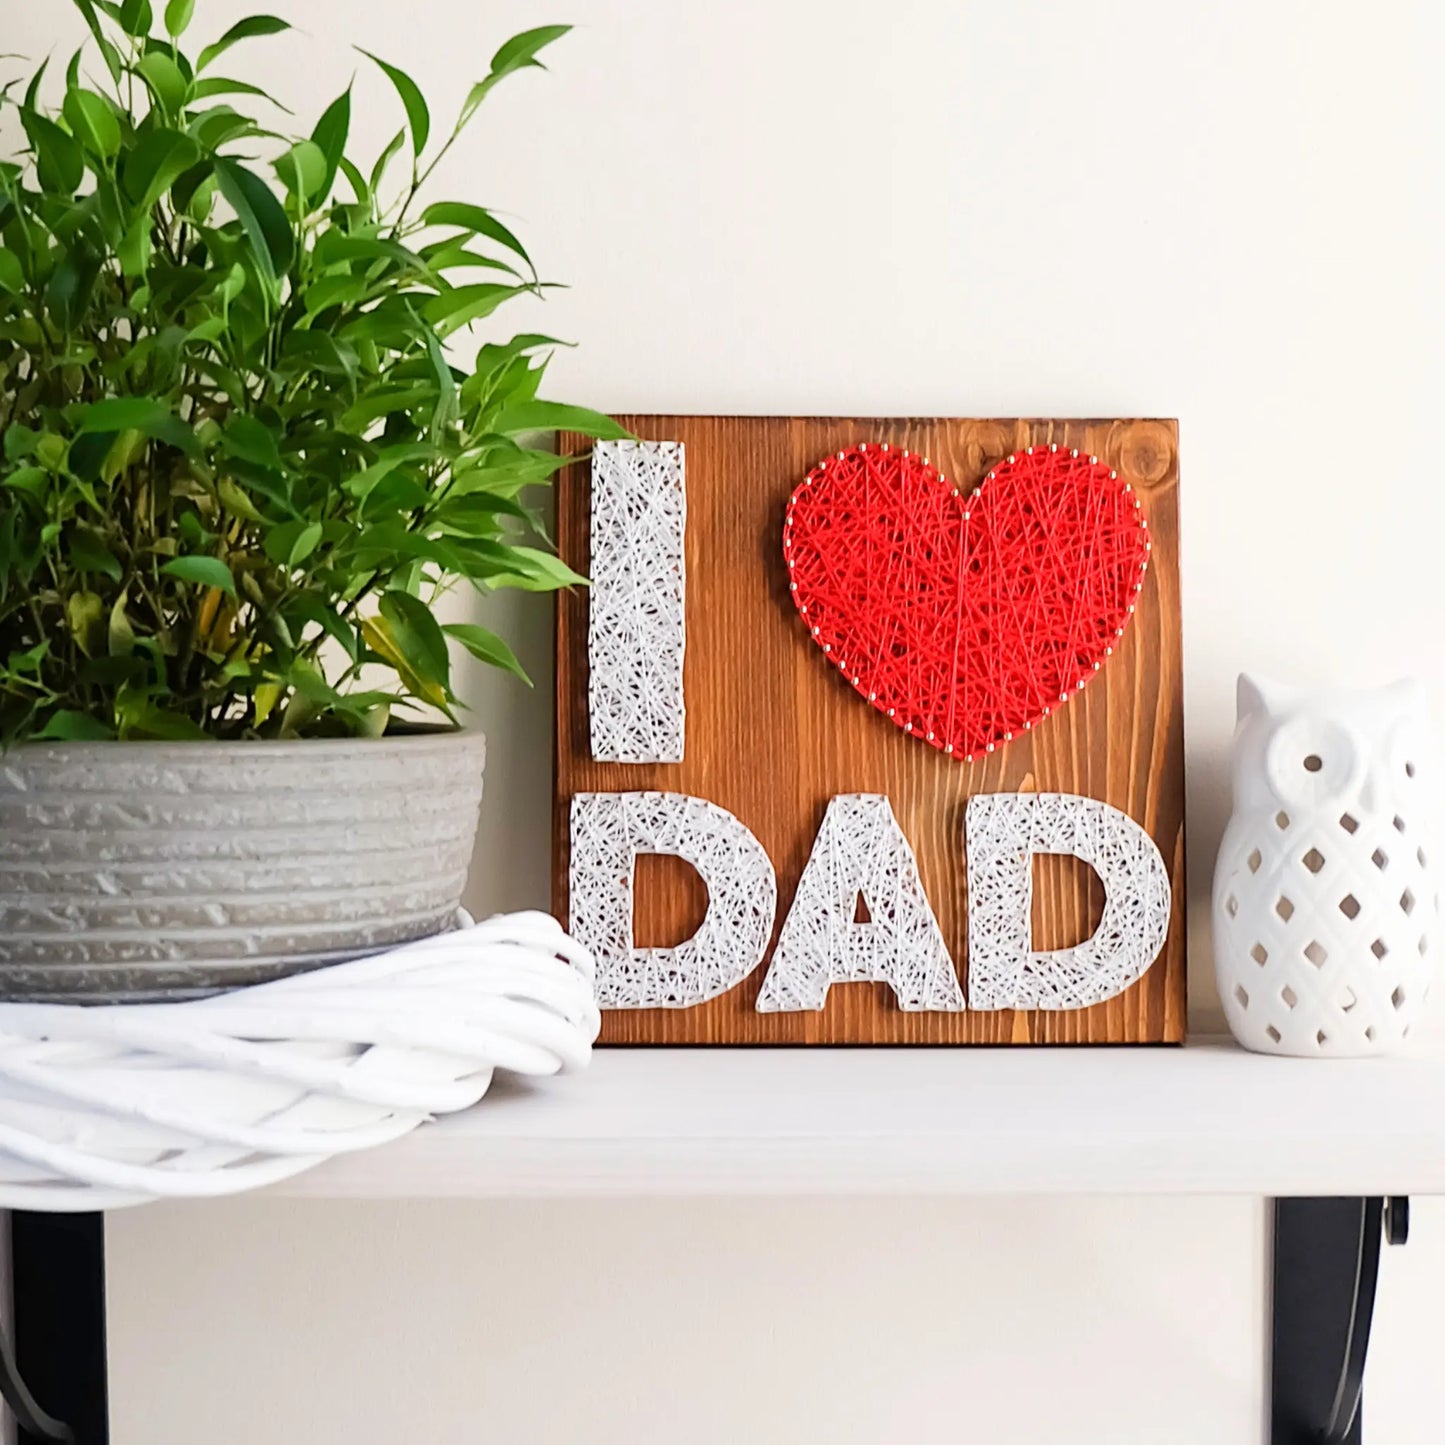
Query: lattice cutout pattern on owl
[609, 830]
[861, 853]
[636, 631]
[1325, 900]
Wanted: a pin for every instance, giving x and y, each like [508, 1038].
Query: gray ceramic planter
[169, 870]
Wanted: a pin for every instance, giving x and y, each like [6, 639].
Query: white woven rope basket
[108, 1106]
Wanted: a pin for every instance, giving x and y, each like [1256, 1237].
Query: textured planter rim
[182, 749]
[222, 862]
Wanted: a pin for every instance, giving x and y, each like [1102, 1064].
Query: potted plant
[241, 463]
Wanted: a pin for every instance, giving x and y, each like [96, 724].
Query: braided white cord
[107, 1106]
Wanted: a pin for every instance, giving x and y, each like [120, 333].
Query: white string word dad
[861, 853]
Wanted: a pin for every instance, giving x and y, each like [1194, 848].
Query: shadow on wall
[511, 868]
[1207, 809]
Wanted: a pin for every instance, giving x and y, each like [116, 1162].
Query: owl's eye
[1310, 761]
[1410, 758]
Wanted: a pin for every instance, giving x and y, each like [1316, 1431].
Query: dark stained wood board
[774, 732]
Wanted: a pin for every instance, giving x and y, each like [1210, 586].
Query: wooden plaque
[773, 732]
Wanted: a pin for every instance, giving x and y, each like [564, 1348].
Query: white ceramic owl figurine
[1325, 899]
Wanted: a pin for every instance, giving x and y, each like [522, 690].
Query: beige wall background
[1226, 211]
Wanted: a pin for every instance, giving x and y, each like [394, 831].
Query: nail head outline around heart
[1114, 558]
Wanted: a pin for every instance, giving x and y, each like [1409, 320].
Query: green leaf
[337, 246]
[235, 501]
[149, 721]
[418, 117]
[135, 17]
[252, 440]
[141, 413]
[69, 726]
[120, 635]
[160, 159]
[20, 441]
[165, 80]
[308, 607]
[443, 256]
[120, 412]
[108, 51]
[317, 351]
[220, 125]
[496, 564]
[12, 275]
[32, 91]
[205, 571]
[344, 290]
[387, 462]
[448, 405]
[388, 544]
[59, 160]
[451, 310]
[133, 250]
[377, 633]
[521, 50]
[476, 513]
[85, 617]
[486, 647]
[33, 481]
[479, 221]
[50, 451]
[359, 188]
[71, 284]
[307, 541]
[547, 568]
[330, 136]
[419, 636]
[178, 16]
[88, 554]
[92, 121]
[558, 416]
[261, 216]
[519, 53]
[303, 169]
[385, 158]
[125, 450]
[398, 494]
[248, 29]
[223, 85]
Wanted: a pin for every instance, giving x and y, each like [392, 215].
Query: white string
[861, 852]
[636, 631]
[1004, 831]
[609, 830]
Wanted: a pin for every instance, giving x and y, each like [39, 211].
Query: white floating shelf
[1204, 1119]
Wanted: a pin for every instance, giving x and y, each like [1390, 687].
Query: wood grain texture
[774, 732]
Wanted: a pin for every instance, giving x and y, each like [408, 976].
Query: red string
[965, 620]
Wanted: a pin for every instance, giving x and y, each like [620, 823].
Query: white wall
[1227, 211]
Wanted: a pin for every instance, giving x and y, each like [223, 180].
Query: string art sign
[917, 774]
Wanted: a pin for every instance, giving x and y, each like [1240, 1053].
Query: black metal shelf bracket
[55, 1382]
[1326, 1263]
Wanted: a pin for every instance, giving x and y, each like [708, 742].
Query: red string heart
[966, 620]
